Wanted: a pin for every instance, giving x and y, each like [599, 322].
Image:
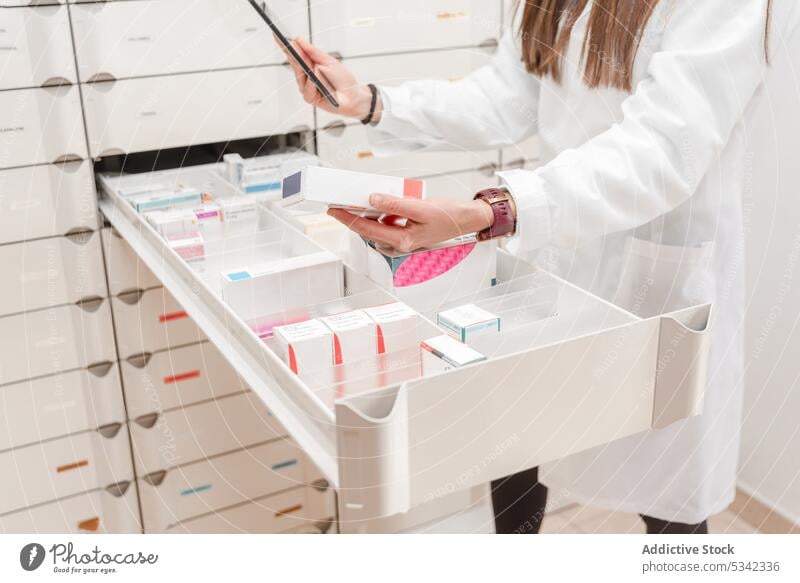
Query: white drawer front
[349, 148]
[522, 155]
[58, 405]
[150, 321]
[139, 115]
[177, 378]
[41, 126]
[364, 27]
[390, 70]
[51, 272]
[98, 512]
[36, 47]
[300, 509]
[55, 340]
[57, 469]
[43, 201]
[198, 432]
[197, 489]
[125, 270]
[152, 37]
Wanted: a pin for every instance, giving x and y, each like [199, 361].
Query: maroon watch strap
[505, 222]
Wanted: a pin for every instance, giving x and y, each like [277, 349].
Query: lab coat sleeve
[494, 106]
[708, 67]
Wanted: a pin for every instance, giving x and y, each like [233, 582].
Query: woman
[640, 107]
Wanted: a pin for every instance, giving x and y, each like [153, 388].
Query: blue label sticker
[239, 276]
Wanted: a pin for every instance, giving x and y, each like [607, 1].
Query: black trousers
[519, 503]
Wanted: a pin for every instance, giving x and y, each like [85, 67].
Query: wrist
[479, 217]
[363, 102]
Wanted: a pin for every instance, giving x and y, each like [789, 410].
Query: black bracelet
[374, 90]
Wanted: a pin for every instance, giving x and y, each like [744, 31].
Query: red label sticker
[195, 374]
[173, 316]
[413, 188]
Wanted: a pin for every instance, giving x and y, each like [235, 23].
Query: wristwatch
[505, 223]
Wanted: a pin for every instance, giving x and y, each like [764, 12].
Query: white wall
[770, 455]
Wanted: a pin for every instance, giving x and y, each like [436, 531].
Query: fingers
[416, 210]
[315, 55]
[397, 237]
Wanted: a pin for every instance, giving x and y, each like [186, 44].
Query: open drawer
[568, 372]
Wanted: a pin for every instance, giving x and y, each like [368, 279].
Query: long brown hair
[613, 36]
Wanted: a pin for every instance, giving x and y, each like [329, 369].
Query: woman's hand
[354, 98]
[429, 222]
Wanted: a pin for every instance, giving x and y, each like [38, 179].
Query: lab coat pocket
[657, 278]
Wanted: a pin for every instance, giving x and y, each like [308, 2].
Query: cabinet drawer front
[350, 148]
[210, 486]
[177, 378]
[151, 321]
[301, 509]
[52, 272]
[36, 47]
[153, 37]
[137, 115]
[57, 469]
[98, 512]
[41, 126]
[44, 201]
[55, 340]
[57, 405]
[125, 270]
[364, 27]
[201, 431]
[526, 154]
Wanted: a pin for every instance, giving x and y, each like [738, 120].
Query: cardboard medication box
[285, 284]
[184, 221]
[355, 336]
[397, 327]
[443, 353]
[466, 322]
[428, 278]
[165, 198]
[315, 189]
[306, 347]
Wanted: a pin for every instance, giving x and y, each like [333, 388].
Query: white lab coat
[639, 201]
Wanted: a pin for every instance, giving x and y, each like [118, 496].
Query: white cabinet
[64, 467]
[192, 490]
[177, 378]
[43, 201]
[51, 272]
[153, 37]
[526, 154]
[365, 27]
[151, 320]
[35, 47]
[114, 510]
[41, 126]
[56, 340]
[58, 405]
[125, 272]
[137, 115]
[350, 148]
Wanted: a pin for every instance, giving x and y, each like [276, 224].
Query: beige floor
[583, 519]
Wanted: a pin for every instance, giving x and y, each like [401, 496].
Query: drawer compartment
[52, 272]
[167, 440]
[44, 201]
[65, 467]
[37, 47]
[177, 378]
[125, 270]
[138, 115]
[149, 321]
[56, 340]
[176, 495]
[152, 37]
[52, 406]
[306, 510]
[363, 27]
[108, 511]
[349, 148]
[41, 126]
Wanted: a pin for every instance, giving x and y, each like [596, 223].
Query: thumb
[316, 56]
[338, 75]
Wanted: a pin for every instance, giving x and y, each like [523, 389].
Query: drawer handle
[164, 318]
[110, 430]
[195, 490]
[57, 82]
[119, 489]
[147, 421]
[156, 478]
[195, 374]
[102, 78]
[287, 511]
[67, 158]
[72, 466]
[286, 464]
[90, 525]
[364, 155]
[100, 369]
[140, 360]
[321, 485]
[131, 297]
[90, 305]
